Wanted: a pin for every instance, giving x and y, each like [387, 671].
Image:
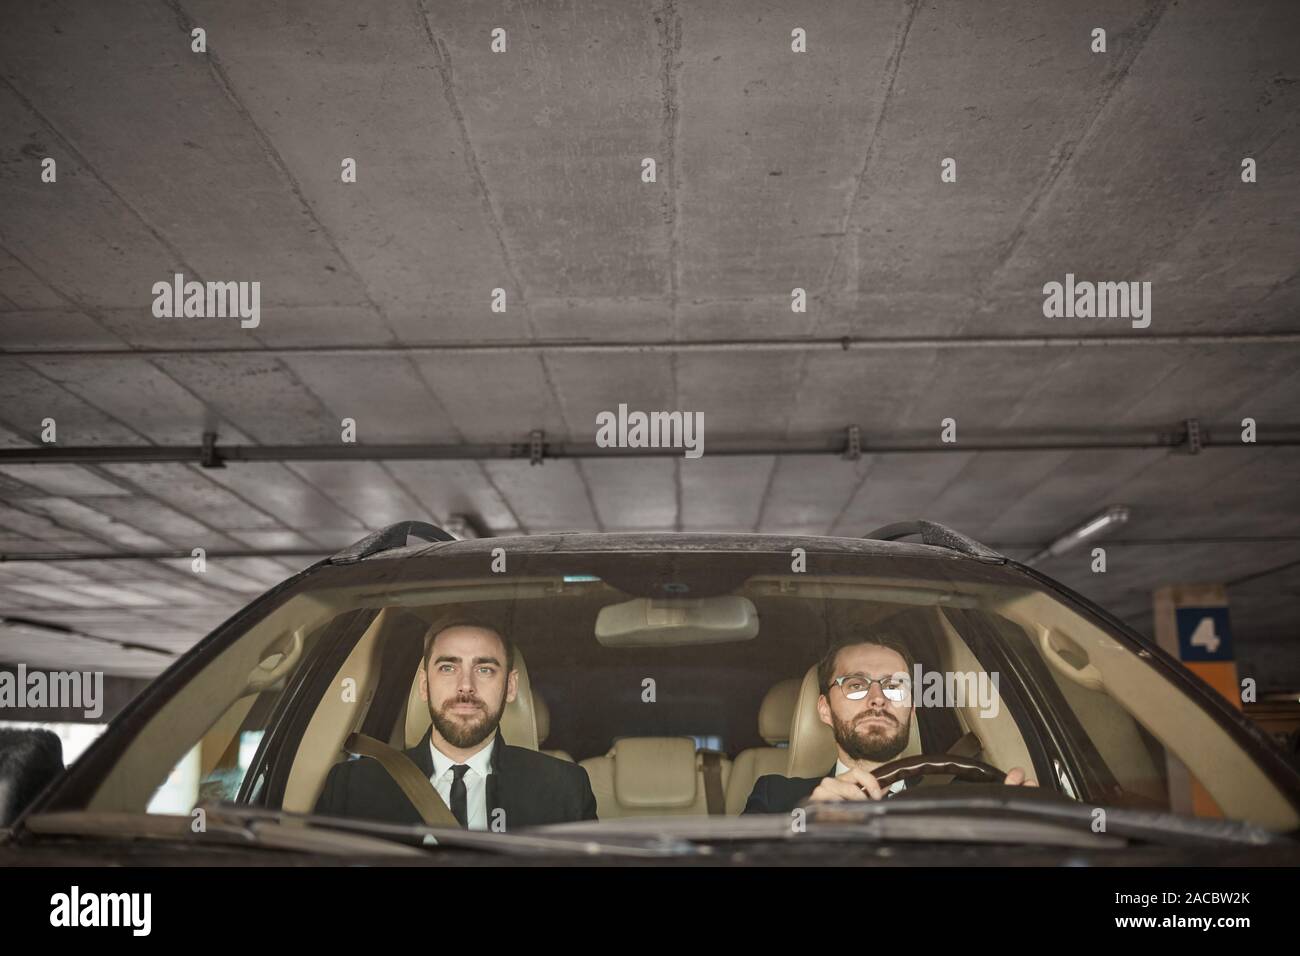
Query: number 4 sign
[1203, 634]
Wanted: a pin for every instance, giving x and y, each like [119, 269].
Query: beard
[466, 731]
[875, 743]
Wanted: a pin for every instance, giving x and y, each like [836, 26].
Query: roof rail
[394, 536]
[934, 534]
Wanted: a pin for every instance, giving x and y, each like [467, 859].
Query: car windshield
[677, 678]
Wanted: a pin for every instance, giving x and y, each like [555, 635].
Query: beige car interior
[518, 721]
[658, 775]
[651, 776]
[543, 713]
[639, 776]
[774, 717]
[1080, 653]
[1001, 743]
[339, 715]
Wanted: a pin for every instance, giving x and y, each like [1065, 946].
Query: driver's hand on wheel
[853, 784]
[1017, 778]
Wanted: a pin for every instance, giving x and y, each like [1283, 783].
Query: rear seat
[543, 714]
[775, 715]
[652, 776]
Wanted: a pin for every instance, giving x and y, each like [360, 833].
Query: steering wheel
[963, 768]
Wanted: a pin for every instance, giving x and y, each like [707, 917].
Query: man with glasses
[866, 700]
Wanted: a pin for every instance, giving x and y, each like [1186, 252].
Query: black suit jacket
[530, 787]
[774, 793]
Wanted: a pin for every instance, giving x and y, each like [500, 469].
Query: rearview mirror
[664, 622]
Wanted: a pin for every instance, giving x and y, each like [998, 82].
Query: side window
[1134, 757]
[1140, 764]
[215, 767]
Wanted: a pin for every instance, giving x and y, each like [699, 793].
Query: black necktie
[459, 795]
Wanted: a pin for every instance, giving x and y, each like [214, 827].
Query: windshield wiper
[233, 824]
[831, 824]
[1122, 825]
[951, 818]
[1033, 819]
[220, 828]
[454, 838]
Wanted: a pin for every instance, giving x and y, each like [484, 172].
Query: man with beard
[467, 678]
[870, 731]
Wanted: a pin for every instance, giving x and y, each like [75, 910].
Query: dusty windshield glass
[544, 688]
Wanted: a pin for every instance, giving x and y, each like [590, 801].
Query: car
[677, 669]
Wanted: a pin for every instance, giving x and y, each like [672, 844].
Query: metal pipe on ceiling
[846, 343]
[216, 455]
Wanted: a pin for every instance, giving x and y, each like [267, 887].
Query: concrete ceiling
[522, 171]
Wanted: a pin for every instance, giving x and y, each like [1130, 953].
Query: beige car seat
[544, 727]
[653, 776]
[775, 715]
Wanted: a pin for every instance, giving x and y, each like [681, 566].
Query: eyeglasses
[856, 687]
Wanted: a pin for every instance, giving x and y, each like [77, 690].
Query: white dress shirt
[480, 765]
[894, 787]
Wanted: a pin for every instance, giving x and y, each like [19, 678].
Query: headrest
[812, 745]
[777, 711]
[654, 772]
[518, 723]
[543, 714]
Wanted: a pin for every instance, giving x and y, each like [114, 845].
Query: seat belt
[711, 764]
[968, 745]
[410, 778]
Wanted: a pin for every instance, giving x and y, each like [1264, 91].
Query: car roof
[681, 541]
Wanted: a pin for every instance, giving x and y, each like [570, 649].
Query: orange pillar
[1192, 624]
